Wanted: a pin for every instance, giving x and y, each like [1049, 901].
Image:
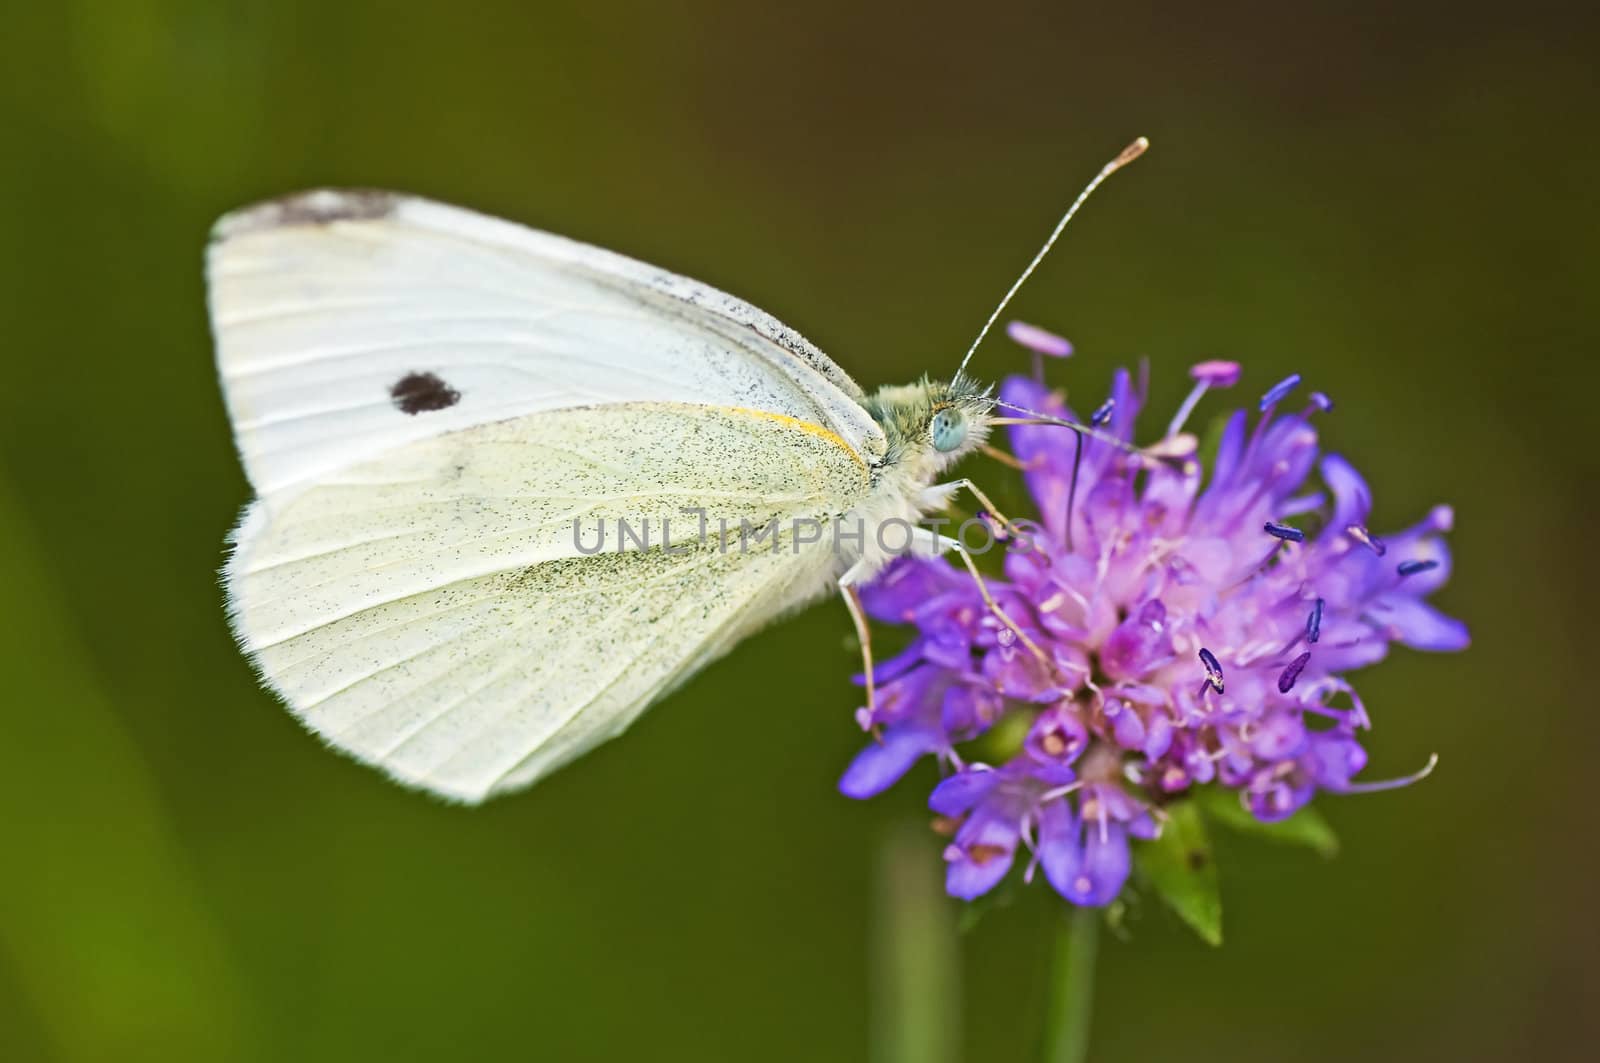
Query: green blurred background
[1401, 205]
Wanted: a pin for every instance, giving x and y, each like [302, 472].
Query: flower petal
[1085, 864]
[981, 855]
[1352, 498]
[1106, 864]
[1418, 624]
[905, 584]
[881, 764]
[960, 792]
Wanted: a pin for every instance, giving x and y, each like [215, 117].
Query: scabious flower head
[1182, 623]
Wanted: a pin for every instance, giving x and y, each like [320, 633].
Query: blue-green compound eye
[948, 429]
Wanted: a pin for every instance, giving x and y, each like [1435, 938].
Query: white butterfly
[426, 400]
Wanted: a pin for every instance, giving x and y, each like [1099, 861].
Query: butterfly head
[932, 423]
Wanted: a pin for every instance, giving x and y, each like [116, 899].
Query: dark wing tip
[320, 206]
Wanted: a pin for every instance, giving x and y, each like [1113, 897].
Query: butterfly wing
[436, 612]
[350, 323]
[425, 399]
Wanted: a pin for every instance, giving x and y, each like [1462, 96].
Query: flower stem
[916, 981]
[1072, 987]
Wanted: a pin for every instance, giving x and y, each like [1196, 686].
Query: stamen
[1097, 420]
[1184, 410]
[1393, 784]
[1360, 534]
[1411, 568]
[1211, 374]
[1072, 485]
[1284, 532]
[1314, 622]
[1321, 401]
[1279, 391]
[1041, 343]
[1003, 458]
[1292, 672]
[1213, 669]
[1216, 373]
[1038, 340]
[1060, 791]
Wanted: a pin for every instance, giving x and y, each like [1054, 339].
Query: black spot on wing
[417, 393]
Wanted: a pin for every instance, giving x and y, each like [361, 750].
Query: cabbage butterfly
[429, 402]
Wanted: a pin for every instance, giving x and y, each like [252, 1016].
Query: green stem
[1072, 987]
[916, 982]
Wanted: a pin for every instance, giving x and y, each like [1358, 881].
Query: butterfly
[432, 405]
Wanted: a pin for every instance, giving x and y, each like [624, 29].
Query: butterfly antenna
[1035, 417]
[1127, 155]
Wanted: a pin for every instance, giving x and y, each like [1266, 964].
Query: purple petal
[1084, 866]
[1144, 827]
[1418, 624]
[1286, 454]
[1060, 853]
[1428, 548]
[960, 792]
[1352, 499]
[1275, 799]
[881, 764]
[1058, 736]
[1045, 450]
[968, 877]
[1158, 735]
[1126, 726]
[895, 667]
[1332, 758]
[1229, 451]
[981, 855]
[969, 709]
[904, 585]
[1280, 736]
[1105, 863]
[1139, 643]
[1017, 673]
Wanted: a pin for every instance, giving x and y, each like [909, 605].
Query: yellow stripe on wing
[804, 426]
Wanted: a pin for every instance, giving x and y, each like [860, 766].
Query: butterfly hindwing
[437, 611]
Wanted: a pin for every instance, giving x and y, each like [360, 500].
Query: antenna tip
[1128, 154]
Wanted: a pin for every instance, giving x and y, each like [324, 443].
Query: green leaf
[1180, 869]
[1306, 827]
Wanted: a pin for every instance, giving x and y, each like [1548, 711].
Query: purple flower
[1193, 625]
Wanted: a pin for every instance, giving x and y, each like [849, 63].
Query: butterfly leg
[1003, 458]
[858, 616]
[954, 546]
[945, 490]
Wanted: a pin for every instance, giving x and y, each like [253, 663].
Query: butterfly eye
[947, 429]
